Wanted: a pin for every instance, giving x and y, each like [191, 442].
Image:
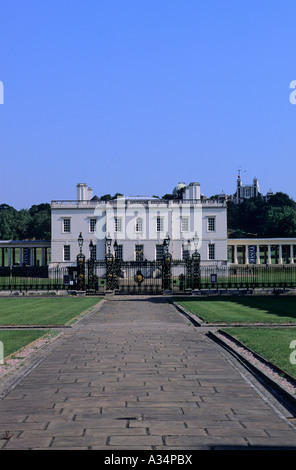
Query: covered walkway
[261, 250]
[24, 253]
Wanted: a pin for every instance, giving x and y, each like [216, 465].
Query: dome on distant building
[178, 187]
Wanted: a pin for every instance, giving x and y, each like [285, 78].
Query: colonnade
[262, 251]
[24, 253]
[240, 251]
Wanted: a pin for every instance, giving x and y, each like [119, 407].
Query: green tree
[281, 200]
[245, 219]
[34, 223]
[39, 226]
[8, 226]
[280, 222]
[106, 197]
[256, 217]
[22, 222]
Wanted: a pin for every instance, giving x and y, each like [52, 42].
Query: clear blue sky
[134, 96]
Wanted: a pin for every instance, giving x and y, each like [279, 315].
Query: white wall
[80, 215]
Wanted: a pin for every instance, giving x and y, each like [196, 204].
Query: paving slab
[137, 375]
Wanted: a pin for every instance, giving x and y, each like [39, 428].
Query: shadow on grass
[255, 308]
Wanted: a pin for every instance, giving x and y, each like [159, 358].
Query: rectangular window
[211, 251]
[119, 253]
[66, 225]
[139, 252]
[118, 224]
[92, 225]
[139, 224]
[184, 224]
[211, 224]
[159, 224]
[66, 252]
[159, 252]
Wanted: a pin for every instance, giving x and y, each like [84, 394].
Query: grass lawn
[43, 311]
[15, 340]
[271, 343]
[262, 309]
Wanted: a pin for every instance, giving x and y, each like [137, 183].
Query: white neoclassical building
[139, 225]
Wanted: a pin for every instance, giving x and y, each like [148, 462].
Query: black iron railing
[147, 277]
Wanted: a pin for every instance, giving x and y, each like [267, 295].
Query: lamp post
[115, 246]
[166, 243]
[91, 266]
[109, 264]
[91, 247]
[166, 266]
[195, 264]
[108, 243]
[80, 265]
[115, 265]
[195, 242]
[80, 242]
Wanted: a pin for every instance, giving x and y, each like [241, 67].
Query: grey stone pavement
[136, 375]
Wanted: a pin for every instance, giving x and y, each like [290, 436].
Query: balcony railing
[56, 204]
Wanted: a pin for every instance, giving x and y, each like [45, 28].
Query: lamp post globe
[80, 242]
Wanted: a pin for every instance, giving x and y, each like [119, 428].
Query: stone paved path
[135, 375]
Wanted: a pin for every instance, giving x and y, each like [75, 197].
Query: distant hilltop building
[247, 191]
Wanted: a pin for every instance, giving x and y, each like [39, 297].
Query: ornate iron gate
[139, 277]
[142, 277]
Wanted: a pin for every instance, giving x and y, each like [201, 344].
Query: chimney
[81, 191]
[194, 191]
[89, 193]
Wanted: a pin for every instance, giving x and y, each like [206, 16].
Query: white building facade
[139, 225]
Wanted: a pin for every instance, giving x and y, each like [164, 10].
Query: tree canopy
[256, 217]
[33, 223]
